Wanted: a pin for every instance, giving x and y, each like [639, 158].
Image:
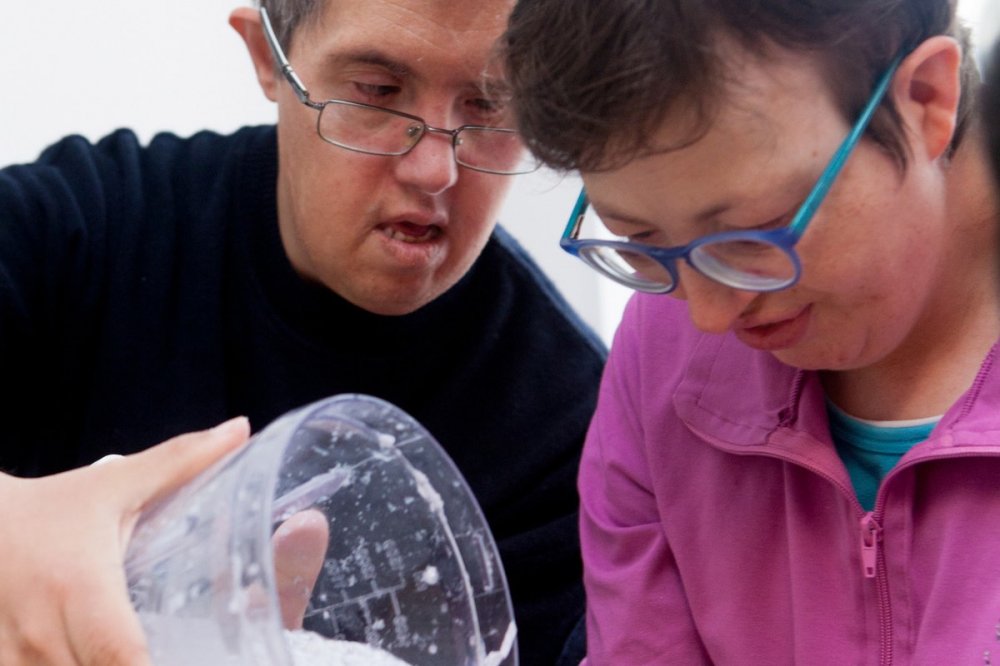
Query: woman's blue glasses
[747, 260]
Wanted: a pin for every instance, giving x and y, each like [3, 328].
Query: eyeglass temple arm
[576, 217]
[829, 174]
[279, 56]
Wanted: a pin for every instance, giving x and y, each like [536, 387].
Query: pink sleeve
[637, 613]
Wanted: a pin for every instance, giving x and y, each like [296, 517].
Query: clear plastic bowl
[411, 566]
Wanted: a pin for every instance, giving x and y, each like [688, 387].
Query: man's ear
[246, 21]
[926, 91]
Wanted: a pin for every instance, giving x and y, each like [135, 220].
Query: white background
[88, 68]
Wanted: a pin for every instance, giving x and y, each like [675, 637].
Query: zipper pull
[871, 534]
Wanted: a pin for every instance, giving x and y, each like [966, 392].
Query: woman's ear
[926, 90]
[246, 21]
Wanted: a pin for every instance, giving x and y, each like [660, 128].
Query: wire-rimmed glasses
[747, 260]
[376, 130]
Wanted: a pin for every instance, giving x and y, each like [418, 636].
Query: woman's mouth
[776, 335]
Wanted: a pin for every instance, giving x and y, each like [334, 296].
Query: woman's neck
[942, 356]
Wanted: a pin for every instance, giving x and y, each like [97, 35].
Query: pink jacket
[720, 526]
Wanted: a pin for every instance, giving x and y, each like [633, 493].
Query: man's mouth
[410, 232]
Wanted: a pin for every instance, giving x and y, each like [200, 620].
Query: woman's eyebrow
[610, 213]
[706, 215]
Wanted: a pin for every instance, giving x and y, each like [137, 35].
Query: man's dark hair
[287, 16]
[594, 79]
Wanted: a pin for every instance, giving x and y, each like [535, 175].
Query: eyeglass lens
[633, 269]
[742, 263]
[745, 264]
[382, 132]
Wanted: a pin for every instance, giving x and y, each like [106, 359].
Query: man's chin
[399, 301]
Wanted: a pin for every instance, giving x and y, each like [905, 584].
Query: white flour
[427, 491]
[311, 649]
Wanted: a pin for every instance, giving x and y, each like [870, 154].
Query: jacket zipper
[873, 566]
[871, 534]
[872, 559]
[871, 553]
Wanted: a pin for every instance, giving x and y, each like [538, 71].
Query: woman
[795, 456]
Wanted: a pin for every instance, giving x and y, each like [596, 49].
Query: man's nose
[713, 306]
[430, 165]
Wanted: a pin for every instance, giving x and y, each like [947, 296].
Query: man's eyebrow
[369, 57]
[494, 86]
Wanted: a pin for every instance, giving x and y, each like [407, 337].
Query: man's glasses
[747, 260]
[366, 128]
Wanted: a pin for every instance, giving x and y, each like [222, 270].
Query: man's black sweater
[144, 292]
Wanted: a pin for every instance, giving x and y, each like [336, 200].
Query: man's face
[879, 258]
[389, 234]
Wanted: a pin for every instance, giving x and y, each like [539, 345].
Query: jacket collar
[742, 399]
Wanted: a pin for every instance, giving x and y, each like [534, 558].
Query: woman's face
[875, 265]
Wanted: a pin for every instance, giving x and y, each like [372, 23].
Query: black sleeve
[52, 233]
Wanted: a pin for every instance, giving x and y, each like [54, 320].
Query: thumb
[300, 545]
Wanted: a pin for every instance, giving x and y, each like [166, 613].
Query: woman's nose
[713, 306]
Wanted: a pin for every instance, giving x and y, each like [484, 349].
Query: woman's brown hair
[593, 79]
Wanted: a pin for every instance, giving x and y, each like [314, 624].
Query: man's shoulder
[210, 144]
[506, 260]
[122, 161]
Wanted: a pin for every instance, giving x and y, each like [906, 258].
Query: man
[151, 291]
[794, 456]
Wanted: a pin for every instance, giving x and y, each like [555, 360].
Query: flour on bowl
[311, 649]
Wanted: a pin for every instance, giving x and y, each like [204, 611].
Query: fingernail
[108, 458]
[239, 423]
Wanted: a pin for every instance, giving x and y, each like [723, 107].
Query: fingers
[102, 627]
[28, 638]
[63, 598]
[63, 593]
[158, 471]
[299, 552]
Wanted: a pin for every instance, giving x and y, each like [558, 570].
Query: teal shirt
[870, 449]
